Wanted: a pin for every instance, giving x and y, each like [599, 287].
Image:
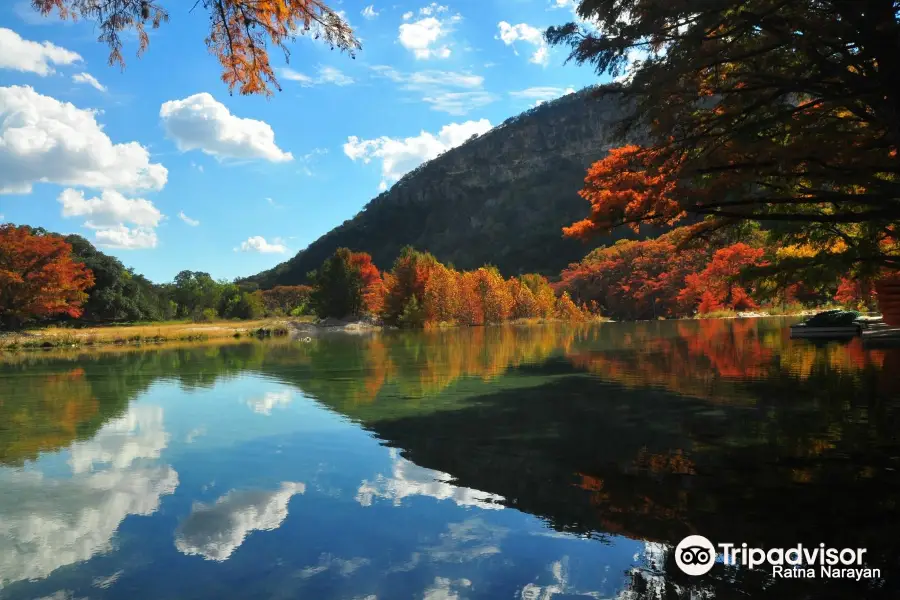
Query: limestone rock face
[500, 198]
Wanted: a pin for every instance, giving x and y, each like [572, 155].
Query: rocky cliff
[500, 198]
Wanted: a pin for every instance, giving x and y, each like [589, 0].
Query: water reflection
[47, 522]
[610, 443]
[409, 479]
[215, 532]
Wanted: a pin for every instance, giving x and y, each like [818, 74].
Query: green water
[531, 463]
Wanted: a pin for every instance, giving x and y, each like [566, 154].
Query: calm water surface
[517, 463]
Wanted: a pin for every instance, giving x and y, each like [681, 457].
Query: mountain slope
[501, 198]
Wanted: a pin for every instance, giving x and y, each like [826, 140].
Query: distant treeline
[47, 277]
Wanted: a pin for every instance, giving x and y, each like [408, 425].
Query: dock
[881, 335]
[834, 332]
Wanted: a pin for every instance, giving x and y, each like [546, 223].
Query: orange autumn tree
[717, 287]
[778, 112]
[241, 31]
[372, 289]
[38, 277]
[634, 279]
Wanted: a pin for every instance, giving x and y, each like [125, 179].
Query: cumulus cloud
[258, 243]
[510, 34]
[409, 479]
[408, 15]
[110, 208]
[423, 37]
[88, 79]
[126, 238]
[399, 156]
[19, 54]
[270, 400]
[45, 140]
[48, 523]
[216, 531]
[446, 91]
[541, 94]
[108, 215]
[369, 12]
[200, 122]
[187, 219]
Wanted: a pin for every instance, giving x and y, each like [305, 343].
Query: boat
[830, 324]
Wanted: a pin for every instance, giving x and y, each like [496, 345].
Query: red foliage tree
[38, 277]
[372, 284]
[716, 287]
[634, 279]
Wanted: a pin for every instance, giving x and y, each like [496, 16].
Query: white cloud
[422, 37]
[541, 94]
[20, 54]
[216, 531]
[399, 156]
[408, 15]
[110, 208]
[409, 479]
[258, 243]
[333, 76]
[89, 80]
[200, 122]
[293, 75]
[327, 75]
[126, 238]
[445, 588]
[432, 9]
[425, 80]
[139, 434]
[369, 12]
[459, 103]
[45, 140]
[441, 89]
[48, 523]
[108, 214]
[187, 219]
[510, 34]
[342, 566]
[270, 400]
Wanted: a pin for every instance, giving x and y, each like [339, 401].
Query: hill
[500, 198]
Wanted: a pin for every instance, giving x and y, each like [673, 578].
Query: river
[540, 462]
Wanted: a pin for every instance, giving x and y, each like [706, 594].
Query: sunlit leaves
[38, 276]
[242, 32]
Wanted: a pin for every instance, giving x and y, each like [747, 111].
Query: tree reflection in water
[653, 431]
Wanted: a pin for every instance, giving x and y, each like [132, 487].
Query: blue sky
[164, 169]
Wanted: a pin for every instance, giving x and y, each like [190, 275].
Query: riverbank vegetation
[66, 282]
[771, 120]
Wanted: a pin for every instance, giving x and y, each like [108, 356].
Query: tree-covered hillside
[501, 198]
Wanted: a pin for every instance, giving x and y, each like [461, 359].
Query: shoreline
[303, 328]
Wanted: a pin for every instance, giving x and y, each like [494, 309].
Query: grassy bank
[140, 333]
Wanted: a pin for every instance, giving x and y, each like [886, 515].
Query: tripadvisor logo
[695, 555]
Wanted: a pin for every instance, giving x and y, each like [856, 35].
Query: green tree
[118, 293]
[194, 292]
[338, 287]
